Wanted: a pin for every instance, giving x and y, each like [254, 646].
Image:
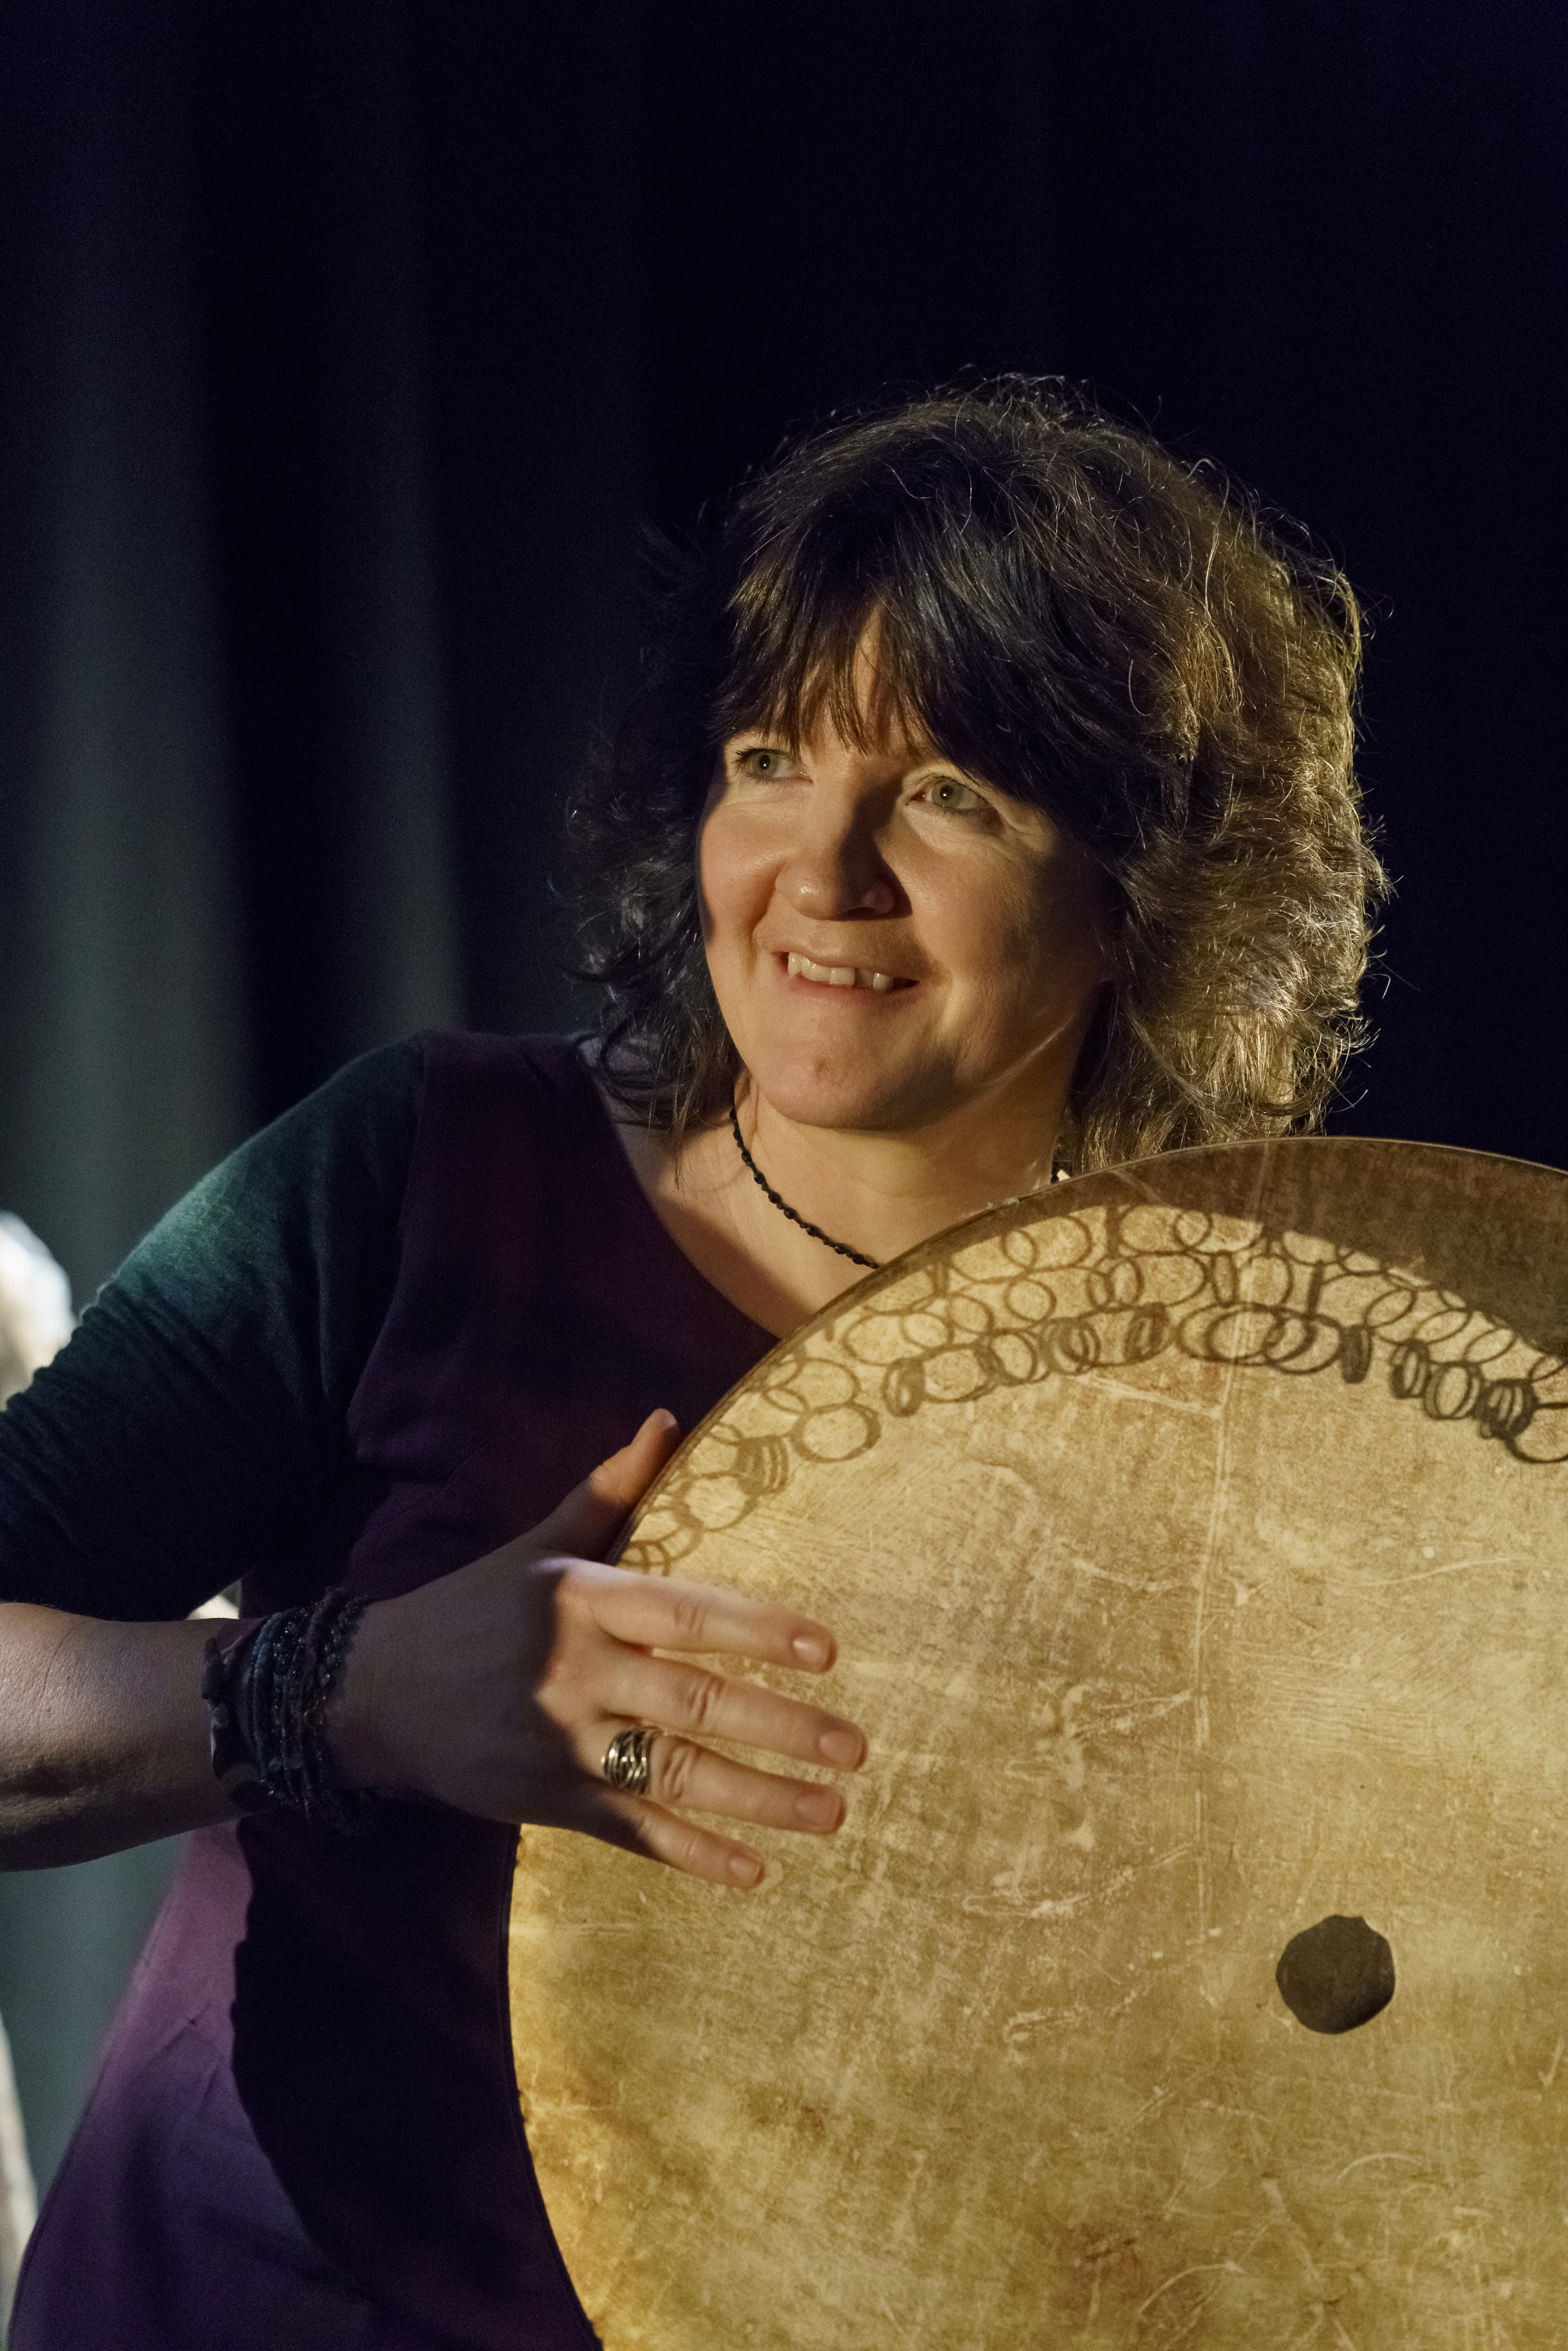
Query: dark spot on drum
[1335, 1975]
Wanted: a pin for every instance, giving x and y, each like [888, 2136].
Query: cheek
[715, 880]
[734, 883]
[1030, 943]
[986, 927]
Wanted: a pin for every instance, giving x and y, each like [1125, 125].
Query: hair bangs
[836, 628]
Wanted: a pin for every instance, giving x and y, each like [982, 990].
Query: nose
[837, 872]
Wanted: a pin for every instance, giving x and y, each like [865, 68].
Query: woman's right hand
[499, 1688]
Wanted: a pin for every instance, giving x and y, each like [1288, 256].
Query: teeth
[838, 975]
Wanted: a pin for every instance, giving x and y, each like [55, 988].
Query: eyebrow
[919, 754]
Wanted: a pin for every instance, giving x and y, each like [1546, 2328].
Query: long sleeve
[193, 1424]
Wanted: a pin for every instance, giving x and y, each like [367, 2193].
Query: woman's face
[892, 940]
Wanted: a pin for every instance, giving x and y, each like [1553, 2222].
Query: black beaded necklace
[794, 1215]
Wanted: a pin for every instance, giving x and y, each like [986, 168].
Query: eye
[763, 760]
[953, 796]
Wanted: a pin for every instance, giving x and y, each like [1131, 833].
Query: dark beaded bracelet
[234, 1766]
[267, 1689]
[330, 1635]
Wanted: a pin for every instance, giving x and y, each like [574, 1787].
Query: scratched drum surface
[1196, 1537]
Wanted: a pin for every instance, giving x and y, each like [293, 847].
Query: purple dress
[304, 2128]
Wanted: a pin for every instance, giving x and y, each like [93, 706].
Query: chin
[842, 1095]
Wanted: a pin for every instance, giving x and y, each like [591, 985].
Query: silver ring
[628, 1759]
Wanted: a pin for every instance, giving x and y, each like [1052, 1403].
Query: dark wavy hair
[1076, 616]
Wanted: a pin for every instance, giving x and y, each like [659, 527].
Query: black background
[342, 343]
[371, 327]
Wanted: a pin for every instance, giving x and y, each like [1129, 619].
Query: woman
[987, 802]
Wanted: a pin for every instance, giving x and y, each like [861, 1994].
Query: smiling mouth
[842, 975]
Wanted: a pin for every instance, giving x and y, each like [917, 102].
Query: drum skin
[1197, 1539]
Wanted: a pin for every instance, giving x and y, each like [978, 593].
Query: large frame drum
[1197, 1538]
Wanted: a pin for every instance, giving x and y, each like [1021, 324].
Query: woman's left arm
[186, 1434]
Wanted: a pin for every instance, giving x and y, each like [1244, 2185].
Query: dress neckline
[654, 1223]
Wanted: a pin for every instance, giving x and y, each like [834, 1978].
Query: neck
[881, 1193]
[813, 1232]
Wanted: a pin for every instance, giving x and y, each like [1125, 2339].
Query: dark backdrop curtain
[343, 341]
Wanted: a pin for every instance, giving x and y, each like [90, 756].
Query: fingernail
[743, 1869]
[820, 1808]
[811, 1649]
[844, 1747]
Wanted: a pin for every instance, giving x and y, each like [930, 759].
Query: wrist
[269, 1689]
[357, 1713]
